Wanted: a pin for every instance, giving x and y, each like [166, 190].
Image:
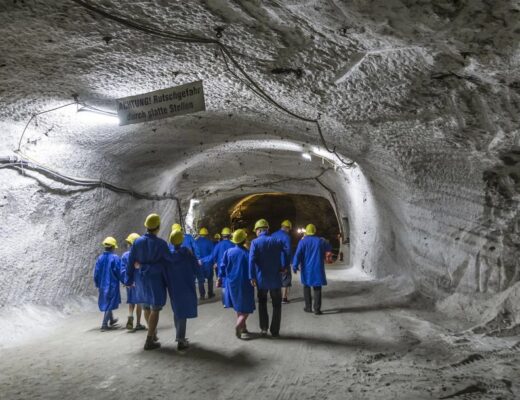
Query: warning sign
[184, 99]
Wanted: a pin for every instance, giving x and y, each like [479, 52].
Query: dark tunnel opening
[244, 211]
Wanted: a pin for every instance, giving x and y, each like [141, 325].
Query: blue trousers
[180, 328]
[108, 317]
[202, 289]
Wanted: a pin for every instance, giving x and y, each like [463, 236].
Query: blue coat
[189, 243]
[106, 278]
[286, 239]
[133, 294]
[154, 256]
[205, 249]
[180, 277]
[235, 269]
[265, 261]
[309, 257]
[218, 252]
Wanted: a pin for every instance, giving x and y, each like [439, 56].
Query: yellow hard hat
[152, 222]
[110, 242]
[176, 227]
[310, 230]
[287, 224]
[239, 236]
[131, 238]
[176, 237]
[203, 232]
[216, 236]
[261, 223]
[226, 231]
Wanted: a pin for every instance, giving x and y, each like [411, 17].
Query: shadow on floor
[201, 353]
[401, 303]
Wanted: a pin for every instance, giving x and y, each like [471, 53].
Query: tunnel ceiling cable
[226, 53]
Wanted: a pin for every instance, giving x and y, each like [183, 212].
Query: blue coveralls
[235, 270]
[180, 277]
[216, 258]
[265, 265]
[153, 255]
[106, 278]
[205, 248]
[309, 258]
[286, 239]
[190, 243]
[133, 294]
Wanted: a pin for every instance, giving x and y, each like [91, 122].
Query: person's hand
[137, 265]
[200, 263]
[219, 282]
[253, 282]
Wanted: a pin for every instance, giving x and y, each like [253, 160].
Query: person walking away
[180, 277]
[205, 249]
[309, 257]
[216, 238]
[235, 269]
[151, 255]
[106, 279]
[189, 241]
[283, 234]
[133, 298]
[265, 268]
[216, 260]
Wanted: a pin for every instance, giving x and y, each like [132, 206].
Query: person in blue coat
[205, 248]
[216, 260]
[151, 256]
[283, 235]
[189, 241]
[309, 258]
[235, 269]
[106, 278]
[180, 277]
[265, 272]
[133, 295]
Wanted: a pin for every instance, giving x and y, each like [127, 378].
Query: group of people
[151, 268]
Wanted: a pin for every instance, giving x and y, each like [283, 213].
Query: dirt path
[371, 343]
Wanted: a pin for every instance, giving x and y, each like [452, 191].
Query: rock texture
[423, 96]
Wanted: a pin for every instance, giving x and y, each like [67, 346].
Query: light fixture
[88, 114]
[194, 201]
[307, 156]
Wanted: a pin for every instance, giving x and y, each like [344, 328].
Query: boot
[114, 323]
[130, 323]
[139, 327]
[150, 344]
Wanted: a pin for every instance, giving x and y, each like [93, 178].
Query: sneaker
[285, 300]
[245, 336]
[307, 310]
[183, 344]
[318, 312]
[263, 333]
[130, 323]
[150, 344]
[139, 327]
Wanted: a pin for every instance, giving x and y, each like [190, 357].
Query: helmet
[310, 230]
[203, 232]
[226, 231]
[131, 238]
[176, 237]
[152, 222]
[239, 236]
[216, 236]
[176, 227]
[110, 242]
[261, 224]
[287, 224]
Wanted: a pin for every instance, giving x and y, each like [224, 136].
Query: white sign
[184, 99]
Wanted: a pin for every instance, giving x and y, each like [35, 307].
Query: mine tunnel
[386, 133]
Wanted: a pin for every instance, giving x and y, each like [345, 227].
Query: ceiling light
[307, 156]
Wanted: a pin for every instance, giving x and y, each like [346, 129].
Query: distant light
[194, 201]
[95, 116]
[307, 156]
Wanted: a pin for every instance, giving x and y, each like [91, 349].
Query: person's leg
[262, 310]
[317, 299]
[113, 320]
[153, 320]
[131, 308]
[308, 298]
[276, 299]
[202, 289]
[180, 328]
[130, 322]
[106, 319]
[138, 311]
[211, 292]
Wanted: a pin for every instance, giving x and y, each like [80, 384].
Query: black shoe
[139, 327]
[285, 300]
[130, 323]
[275, 334]
[211, 295]
[307, 310]
[150, 344]
[183, 344]
[202, 298]
[318, 312]
[114, 323]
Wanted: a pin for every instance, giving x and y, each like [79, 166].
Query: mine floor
[374, 341]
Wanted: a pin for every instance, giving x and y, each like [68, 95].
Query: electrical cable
[226, 52]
